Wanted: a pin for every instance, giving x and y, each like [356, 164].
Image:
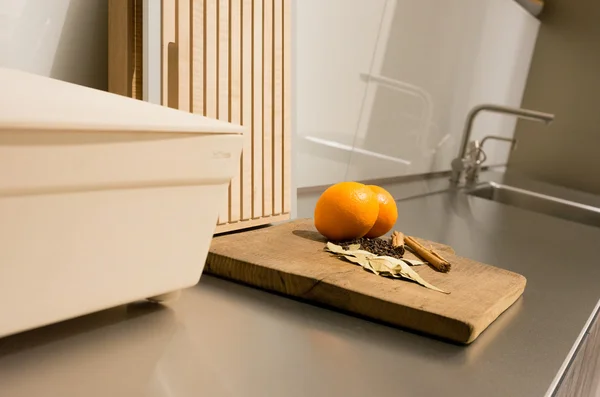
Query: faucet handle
[513, 141]
[469, 163]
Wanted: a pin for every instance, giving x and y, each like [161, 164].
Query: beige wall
[564, 79]
[63, 39]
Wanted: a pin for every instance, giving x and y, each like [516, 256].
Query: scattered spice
[376, 246]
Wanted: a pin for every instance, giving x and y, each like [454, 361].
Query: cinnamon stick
[428, 255]
[398, 242]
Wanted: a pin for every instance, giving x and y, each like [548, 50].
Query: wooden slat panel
[287, 105]
[277, 106]
[182, 27]
[138, 69]
[229, 227]
[235, 64]
[210, 61]
[247, 108]
[211, 71]
[223, 84]
[257, 139]
[172, 76]
[235, 105]
[197, 44]
[120, 47]
[267, 107]
[168, 50]
[240, 71]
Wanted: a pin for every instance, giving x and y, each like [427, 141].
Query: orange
[346, 211]
[388, 212]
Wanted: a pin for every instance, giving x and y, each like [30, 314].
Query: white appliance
[104, 200]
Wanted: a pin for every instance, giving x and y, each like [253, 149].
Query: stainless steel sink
[537, 202]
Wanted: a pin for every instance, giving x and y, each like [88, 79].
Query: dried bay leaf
[357, 256]
[385, 266]
[413, 262]
[336, 249]
[380, 265]
[411, 274]
[360, 252]
[361, 260]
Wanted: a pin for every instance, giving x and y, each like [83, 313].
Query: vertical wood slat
[267, 131]
[125, 66]
[277, 117]
[235, 98]
[169, 53]
[210, 60]
[182, 27]
[121, 47]
[197, 43]
[287, 105]
[223, 82]
[247, 108]
[257, 127]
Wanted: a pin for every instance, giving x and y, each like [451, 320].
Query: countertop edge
[569, 359]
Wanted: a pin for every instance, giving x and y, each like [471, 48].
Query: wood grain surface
[287, 105]
[170, 69]
[225, 59]
[223, 83]
[125, 49]
[247, 109]
[289, 259]
[582, 378]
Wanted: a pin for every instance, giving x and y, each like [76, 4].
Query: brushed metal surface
[225, 339]
[538, 202]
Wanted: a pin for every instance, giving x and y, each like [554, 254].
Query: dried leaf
[381, 265]
[413, 262]
[361, 260]
[355, 257]
[336, 249]
[360, 252]
[353, 247]
[385, 266]
[408, 272]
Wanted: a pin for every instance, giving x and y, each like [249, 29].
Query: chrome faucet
[468, 159]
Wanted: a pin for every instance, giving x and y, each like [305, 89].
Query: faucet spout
[458, 163]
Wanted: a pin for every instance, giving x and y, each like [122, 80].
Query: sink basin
[537, 202]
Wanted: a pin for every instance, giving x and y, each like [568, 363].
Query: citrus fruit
[346, 211]
[388, 212]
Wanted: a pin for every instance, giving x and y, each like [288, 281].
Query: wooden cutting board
[289, 259]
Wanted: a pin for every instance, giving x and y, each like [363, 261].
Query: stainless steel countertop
[224, 339]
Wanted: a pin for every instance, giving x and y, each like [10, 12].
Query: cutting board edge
[319, 292]
[496, 311]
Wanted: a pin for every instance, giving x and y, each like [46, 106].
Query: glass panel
[383, 87]
[335, 41]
